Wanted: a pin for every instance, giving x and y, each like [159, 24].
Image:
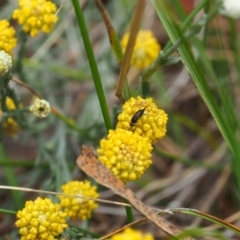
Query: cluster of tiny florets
[5, 62]
[146, 48]
[126, 154]
[40, 108]
[152, 123]
[78, 207]
[36, 16]
[132, 234]
[8, 40]
[10, 126]
[127, 150]
[41, 219]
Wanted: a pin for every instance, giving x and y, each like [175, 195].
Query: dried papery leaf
[90, 164]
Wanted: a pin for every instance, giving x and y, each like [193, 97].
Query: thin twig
[63, 194]
[57, 113]
[19, 82]
[35, 93]
[129, 50]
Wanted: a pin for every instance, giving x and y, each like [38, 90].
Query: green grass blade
[208, 217]
[11, 180]
[199, 79]
[115, 44]
[93, 64]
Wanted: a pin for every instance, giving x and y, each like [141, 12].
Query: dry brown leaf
[90, 164]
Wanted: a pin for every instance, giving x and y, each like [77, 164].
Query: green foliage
[76, 68]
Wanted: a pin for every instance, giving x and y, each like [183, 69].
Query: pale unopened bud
[5, 62]
[230, 8]
[40, 108]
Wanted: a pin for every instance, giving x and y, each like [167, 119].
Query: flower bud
[5, 62]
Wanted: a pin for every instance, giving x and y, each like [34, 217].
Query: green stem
[13, 113]
[129, 212]
[205, 37]
[11, 180]
[191, 32]
[188, 161]
[22, 163]
[18, 68]
[234, 41]
[71, 123]
[7, 211]
[202, 84]
[96, 76]
[163, 56]
[93, 65]
[187, 21]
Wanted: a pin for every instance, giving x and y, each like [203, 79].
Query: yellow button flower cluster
[127, 150]
[8, 41]
[146, 48]
[10, 126]
[131, 234]
[36, 16]
[41, 219]
[152, 123]
[78, 207]
[126, 154]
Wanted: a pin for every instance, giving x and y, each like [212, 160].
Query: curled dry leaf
[90, 164]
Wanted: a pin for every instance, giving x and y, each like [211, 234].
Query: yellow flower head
[41, 219]
[131, 234]
[8, 40]
[150, 121]
[78, 207]
[36, 16]
[10, 126]
[126, 154]
[146, 48]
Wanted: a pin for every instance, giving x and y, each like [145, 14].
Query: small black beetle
[136, 117]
